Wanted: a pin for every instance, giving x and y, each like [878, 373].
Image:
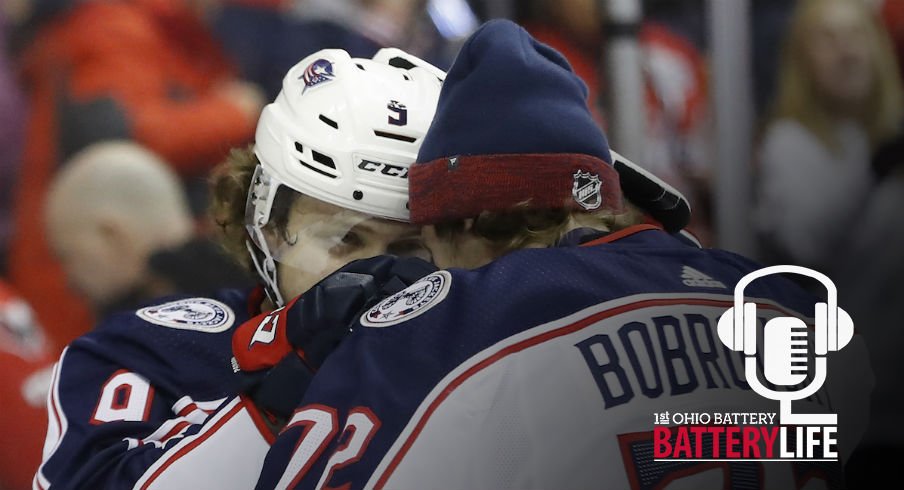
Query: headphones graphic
[784, 342]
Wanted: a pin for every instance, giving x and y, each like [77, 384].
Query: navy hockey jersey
[148, 400]
[544, 370]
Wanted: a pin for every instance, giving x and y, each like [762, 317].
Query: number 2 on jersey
[320, 425]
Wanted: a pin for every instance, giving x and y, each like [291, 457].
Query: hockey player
[149, 398]
[539, 359]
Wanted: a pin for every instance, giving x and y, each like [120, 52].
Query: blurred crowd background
[781, 120]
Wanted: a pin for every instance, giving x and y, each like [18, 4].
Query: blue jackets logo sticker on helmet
[410, 302]
[199, 314]
[316, 73]
[586, 190]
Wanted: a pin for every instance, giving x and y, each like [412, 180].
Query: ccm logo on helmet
[384, 168]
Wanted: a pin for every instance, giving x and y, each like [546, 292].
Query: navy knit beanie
[512, 126]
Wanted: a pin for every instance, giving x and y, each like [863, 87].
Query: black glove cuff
[280, 390]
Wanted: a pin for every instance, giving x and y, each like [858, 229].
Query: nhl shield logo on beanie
[586, 190]
[512, 127]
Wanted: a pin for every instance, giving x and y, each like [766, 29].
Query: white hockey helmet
[343, 130]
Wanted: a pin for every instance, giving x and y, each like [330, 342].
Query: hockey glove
[277, 353]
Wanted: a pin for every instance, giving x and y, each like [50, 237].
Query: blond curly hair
[229, 184]
[522, 227]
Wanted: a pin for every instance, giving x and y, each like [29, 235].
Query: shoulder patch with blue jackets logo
[415, 300]
[199, 314]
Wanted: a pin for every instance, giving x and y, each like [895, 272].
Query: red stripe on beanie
[452, 188]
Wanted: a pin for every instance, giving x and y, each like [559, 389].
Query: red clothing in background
[24, 380]
[685, 104]
[137, 69]
[676, 96]
[893, 16]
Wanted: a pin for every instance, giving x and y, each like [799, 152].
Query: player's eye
[352, 239]
[350, 243]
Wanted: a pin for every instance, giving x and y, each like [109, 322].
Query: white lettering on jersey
[320, 425]
[126, 397]
[360, 428]
[199, 314]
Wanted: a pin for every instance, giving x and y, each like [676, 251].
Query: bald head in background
[109, 209]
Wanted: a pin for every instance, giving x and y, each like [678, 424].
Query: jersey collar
[618, 235]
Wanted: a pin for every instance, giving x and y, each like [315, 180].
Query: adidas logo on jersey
[694, 278]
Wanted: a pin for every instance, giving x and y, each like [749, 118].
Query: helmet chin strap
[260, 200]
[266, 270]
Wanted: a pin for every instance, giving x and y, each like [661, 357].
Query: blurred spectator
[384, 22]
[839, 96]
[27, 363]
[12, 126]
[118, 220]
[267, 37]
[769, 23]
[869, 282]
[676, 89]
[146, 70]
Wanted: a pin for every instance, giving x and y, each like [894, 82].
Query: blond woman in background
[839, 96]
